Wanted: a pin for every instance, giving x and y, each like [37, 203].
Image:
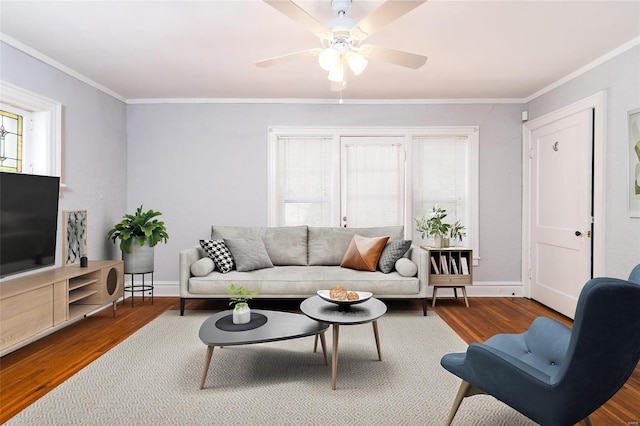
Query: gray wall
[94, 146]
[206, 164]
[620, 79]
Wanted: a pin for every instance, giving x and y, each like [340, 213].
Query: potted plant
[457, 231]
[239, 300]
[138, 234]
[432, 225]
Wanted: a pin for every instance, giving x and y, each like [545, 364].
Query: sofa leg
[182, 301]
[424, 306]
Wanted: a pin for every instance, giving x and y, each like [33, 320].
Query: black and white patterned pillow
[219, 252]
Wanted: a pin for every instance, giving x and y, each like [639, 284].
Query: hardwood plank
[31, 372]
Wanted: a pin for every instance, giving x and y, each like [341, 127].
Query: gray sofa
[305, 259]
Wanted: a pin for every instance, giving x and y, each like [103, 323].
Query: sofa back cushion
[285, 245]
[327, 246]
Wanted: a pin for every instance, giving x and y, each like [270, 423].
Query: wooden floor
[29, 373]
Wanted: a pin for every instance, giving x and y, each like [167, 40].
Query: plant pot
[440, 241]
[241, 313]
[140, 260]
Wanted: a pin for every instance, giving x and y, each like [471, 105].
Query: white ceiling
[207, 49]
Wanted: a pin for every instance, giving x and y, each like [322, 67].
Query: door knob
[578, 233]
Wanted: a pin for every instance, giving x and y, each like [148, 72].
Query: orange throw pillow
[363, 253]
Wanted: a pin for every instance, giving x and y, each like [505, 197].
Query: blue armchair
[552, 374]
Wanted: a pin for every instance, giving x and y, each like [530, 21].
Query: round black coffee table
[320, 310]
[265, 326]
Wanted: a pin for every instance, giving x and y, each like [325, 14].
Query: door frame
[597, 103]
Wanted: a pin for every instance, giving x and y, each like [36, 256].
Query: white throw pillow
[202, 267]
[406, 267]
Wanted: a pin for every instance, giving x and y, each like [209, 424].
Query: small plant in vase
[239, 300]
[432, 225]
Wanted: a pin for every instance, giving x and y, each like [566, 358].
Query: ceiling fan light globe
[357, 63]
[337, 74]
[329, 59]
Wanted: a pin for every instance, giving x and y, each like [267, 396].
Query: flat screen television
[28, 221]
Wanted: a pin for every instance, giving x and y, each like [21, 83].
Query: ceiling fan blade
[298, 14]
[287, 58]
[397, 57]
[387, 13]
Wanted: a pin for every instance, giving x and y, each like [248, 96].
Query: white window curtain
[373, 182]
[304, 176]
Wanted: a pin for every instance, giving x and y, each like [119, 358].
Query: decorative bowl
[364, 296]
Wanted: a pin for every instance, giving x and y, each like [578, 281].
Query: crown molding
[320, 101]
[55, 64]
[601, 60]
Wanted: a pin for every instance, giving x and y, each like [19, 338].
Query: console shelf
[38, 304]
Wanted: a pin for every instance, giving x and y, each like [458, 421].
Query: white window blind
[304, 174]
[373, 182]
[441, 176]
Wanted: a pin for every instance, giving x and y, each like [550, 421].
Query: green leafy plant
[432, 225]
[140, 228]
[457, 231]
[240, 296]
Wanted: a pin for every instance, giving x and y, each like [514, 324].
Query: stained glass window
[10, 142]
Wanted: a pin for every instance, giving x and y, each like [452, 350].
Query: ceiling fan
[342, 38]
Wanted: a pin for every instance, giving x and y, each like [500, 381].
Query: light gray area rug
[153, 378]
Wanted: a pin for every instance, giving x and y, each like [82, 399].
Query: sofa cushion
[406, 267]
[202, 267]
[218, 251]
[304, 281]
[286, 245]
[363, 253]
[393, 251]
[327, 245]
[249, 254]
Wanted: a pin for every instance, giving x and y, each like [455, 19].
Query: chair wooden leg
[465, 389]
[587, 421]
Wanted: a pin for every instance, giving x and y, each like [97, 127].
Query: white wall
[93, 146]
[206, 164]
[620, 79]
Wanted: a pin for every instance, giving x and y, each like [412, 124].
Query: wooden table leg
[466, 301]
[323, 342]
[377, 336]
[334, 355]
[206, 365]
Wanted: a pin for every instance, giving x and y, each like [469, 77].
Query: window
[10, 142]
[304, 175]
[359, 177]
[40, 142]
[443, 175]
[372, 181]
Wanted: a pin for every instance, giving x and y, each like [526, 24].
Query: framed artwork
[634, 163]
[74, 229]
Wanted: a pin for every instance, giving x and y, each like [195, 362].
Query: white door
[372, 181]
[561, 210]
